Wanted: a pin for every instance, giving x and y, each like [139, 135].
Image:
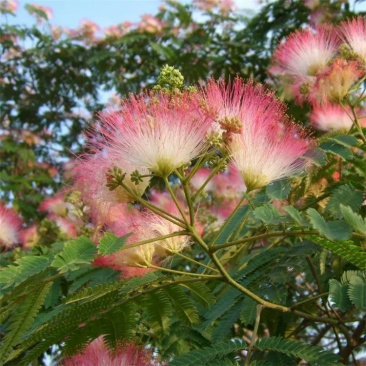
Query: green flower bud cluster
[115, 177]
[170, 80]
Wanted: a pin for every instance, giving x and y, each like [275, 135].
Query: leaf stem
[254, 335]
[212, 174]
[194, 261]
[252, 295]
[226, 223]
[172, 194]
[163, 269]
[263, 236]
[167, 216]
[158, 238]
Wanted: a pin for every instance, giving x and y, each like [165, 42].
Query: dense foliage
[201, 220]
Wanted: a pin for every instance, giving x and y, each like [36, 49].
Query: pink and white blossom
[336, 80]
[97, 354]
[91, 179]
[159, 133]
[10, 225]
[150, 24]
[8, 6]
[307, 52]
[353, 32]
[66, 226]
[29, 236]
[268, 146]
[56, 205]
[167, 246]
[231, 105]
[332, 117]
[142, 226]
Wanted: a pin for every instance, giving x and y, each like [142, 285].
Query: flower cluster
[97, 354]
[167, 133]
[324, 67]
[141, 227]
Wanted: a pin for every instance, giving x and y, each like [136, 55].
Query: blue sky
[69, 13]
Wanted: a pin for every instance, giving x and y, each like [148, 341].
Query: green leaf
[75, 253]
[159, 309]
[233, 224]
[248, 311]
[205, 355]
[279, 189]
[110, 243]
[183, 305]
[337, 149]
[334, 230]
[353, 219]
[24, 268]
[311, 354]
[38, 11]
[345, 249]
[22, 319]
[226, 322]
[357, 291]
[296, 216]
[345, 140]
[224, 362]
[89, 275]
[346, 195]
[165, 52]
[268, 214]
[338, 295]
[201, 293]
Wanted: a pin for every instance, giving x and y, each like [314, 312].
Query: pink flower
[312, 4]
[335, 82]
[353, 33]
[318, 16]
[230, 105]
[91, 179]
[267, 146]
[88, 28]
[56, 32]
[330, 117]
[41, 12]
[200, 178]
[29, 137]
[227, 6]
[97, 354]
[165, 247]
[133, 222]
[142, 226]
[10, 224]
[66, 227]
[159, 133]
[117, 31]
[150, 24]
[56, 205]
[206, 5]
[305, 52]
[8, 6]
[229, 184]
[29, 236]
